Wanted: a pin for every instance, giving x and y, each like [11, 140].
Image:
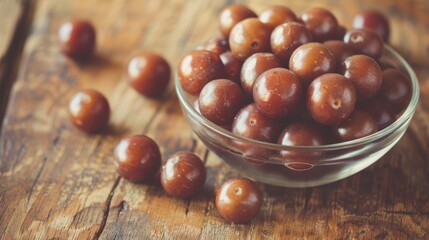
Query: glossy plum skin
[381, 112]
[77, 39]
[310, 61]
[232, 66]
[248, 37]
[183, 175]
[220, 100]
[321, 23]
[231, 15]
[331, 99]
[89, 111]
[149, 74]
[341, 31]
[239, 200]
[365, 73]
[277, 92]
[197, 68]
[341, 51]
[276, 15]
[365, 42]
[253, 67]
[287, 37]
[301, 134]
[360, 124]
[395, 89]
[251, 123]
[137, 158]
[373, 20]
[216, 45]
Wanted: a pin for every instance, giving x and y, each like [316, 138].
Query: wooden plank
[10, 11]
[16, 19]
[60, 183]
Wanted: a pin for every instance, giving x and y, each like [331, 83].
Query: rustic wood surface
[16, 21]
[59, 183]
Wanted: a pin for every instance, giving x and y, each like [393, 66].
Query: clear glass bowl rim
[407, 114]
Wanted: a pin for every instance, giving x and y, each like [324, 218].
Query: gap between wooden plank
[108, 202]
[107, 208]
[13, 55]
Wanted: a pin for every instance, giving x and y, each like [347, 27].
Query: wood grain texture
[59, 183]
[10, 11]
[14, 26]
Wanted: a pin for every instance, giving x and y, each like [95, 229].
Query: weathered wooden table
[58, 183]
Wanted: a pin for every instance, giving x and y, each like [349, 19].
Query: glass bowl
[291, 166]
